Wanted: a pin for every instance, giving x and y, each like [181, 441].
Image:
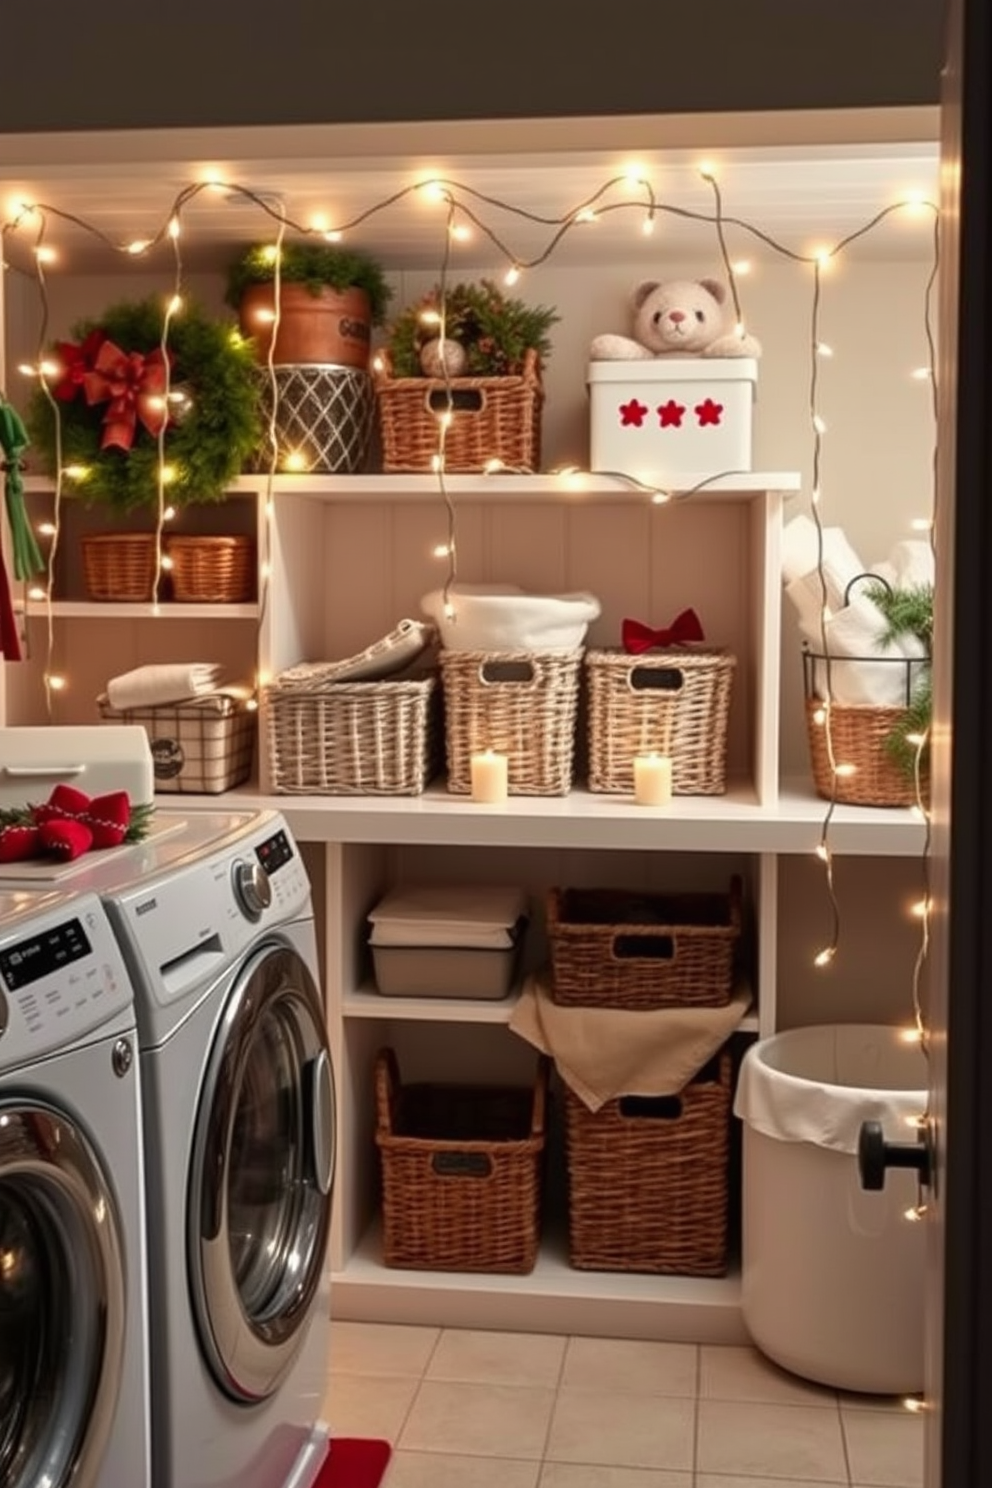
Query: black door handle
[876, 1155]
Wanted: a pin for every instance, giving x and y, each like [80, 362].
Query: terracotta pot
[333, 327]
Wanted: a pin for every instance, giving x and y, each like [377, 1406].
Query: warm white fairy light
[430, 317]
[138, 246]
[295, 460]
[270, 253]
[660, 498]
[511, 276]
[76, 472]
[819, 424]
[169, 514]
[913, 1403]
[586, 214]
[441, 550]
[824, 957]
[45, 254]
[823, 350]
[742, 266]
[46, 529]
[166, 562]
[174, 228]
[460, 232]
[921, 374]
[333, 236]
[36, 593]
[55, 681]
[175, 304]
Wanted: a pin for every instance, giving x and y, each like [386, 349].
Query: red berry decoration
[65, 840]
[108, 818]
[18, 843]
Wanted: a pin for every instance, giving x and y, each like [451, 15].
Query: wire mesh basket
[324, 418]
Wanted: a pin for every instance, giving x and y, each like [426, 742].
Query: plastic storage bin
[832, 1275]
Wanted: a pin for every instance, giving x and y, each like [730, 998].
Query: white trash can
[832, 1275]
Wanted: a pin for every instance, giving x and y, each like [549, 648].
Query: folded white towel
[149, 686]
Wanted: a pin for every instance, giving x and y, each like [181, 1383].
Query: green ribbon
[14, 441]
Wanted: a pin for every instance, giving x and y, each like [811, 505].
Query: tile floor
[509, 1410]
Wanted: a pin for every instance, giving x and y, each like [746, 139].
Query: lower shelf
[554, 1298]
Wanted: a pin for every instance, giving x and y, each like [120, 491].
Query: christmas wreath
[114, 388]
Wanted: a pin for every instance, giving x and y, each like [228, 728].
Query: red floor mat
[353, 1463]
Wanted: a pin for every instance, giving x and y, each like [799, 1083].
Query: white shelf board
[553, 1298]
[81, 609]
[368, 1003]
[732, 823]
[500, 487]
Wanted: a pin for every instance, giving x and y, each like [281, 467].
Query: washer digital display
[29, 960]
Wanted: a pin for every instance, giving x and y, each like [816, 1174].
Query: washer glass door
[62, 1302]
[262, 1172]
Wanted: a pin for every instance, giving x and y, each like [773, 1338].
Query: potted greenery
[105, 405]
[329, 300]
[483, 375]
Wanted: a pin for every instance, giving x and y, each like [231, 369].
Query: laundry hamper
[461, 1172]
[202, 746]
[833, 1277]
[648, 1179]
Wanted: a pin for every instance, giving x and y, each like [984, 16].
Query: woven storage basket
[613, 948]
[492, 418]
[200, 747]
[674, 702]
[461, 1172]
[523, 704]
[648, 1179]
[352, 738]
[212, 570]
[859, 734]
[119, 566]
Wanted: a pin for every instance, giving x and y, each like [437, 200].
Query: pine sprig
[494, 329]
[908, 612]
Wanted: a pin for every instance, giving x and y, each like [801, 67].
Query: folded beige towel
[602, 1053]
[147, 686]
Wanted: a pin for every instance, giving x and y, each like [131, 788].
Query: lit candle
[652, 779]
[489, 777]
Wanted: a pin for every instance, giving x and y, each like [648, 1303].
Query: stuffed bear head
[681, 317]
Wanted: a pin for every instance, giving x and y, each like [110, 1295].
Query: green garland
[208, 449]
[314, 266]
[909, 612]
[493, 329]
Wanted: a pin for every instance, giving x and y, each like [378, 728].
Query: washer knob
[252, 889]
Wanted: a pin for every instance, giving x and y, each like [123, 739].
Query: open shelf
[548, 486]
[553, 1298]
[81, 609]
[368, 1003]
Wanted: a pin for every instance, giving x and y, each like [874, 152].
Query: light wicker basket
[212, 570]
[674, 702]
[119, 567]
[649, 1178]
[200, 747]
[492, 418]
[461, 1172]
[523, 704]
[614, 948]
[352, 738]
[859, 735]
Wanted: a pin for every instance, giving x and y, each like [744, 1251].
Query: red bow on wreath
[68, 824]
[684, 629]
[76, 362]
[135, 386]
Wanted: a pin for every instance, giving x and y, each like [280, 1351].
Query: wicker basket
[461, 1172]
[212, 570]
[200, 747]
[648, 1179]
[674, 702]
[119, 566]
[352, 738]
[859, 734]
[523, 704]
[492, 418]
[613, 948]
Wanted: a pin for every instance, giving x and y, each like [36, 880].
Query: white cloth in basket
[172, 682]
[384, 657]
[501, 617]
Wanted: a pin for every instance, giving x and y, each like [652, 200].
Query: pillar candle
[652, 779]
[489, 777]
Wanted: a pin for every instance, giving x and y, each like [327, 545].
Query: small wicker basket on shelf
[648, 1179]
[461, 1172]
[614, 948]
[492, 418]
[674, 702]
[860, 736]
[119, 567]
[212, 570]
[523, 704]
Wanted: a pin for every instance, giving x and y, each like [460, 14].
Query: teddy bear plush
[680, 318]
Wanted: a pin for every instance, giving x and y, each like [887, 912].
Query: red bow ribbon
[135, 386]
[76, 362]
[683, 629]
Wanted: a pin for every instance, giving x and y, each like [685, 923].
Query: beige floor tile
[366, 1405]
[432, 1470]
[630, 1365]
[744, 1374]
[719, 1480]
[497, 1358]
[479, 1420]
[743, 1439]
[622, 1430]
[570, 1475]
[381, 1348]
[885, 1449]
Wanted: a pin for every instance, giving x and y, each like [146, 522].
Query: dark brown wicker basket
[615, 948]
[492, 418]
[461, 1172]
[119, 567]
[648, 1179]
[212, 570]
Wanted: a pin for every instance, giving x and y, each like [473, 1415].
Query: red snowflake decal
[670, 414]
[709, 412]
[632, 413]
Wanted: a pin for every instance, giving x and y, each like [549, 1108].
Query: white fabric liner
[501, 617]
[170, 682]
[818, 1085]
[466, 916]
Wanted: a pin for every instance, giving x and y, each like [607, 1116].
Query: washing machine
[74, 1396]
[214, 918]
